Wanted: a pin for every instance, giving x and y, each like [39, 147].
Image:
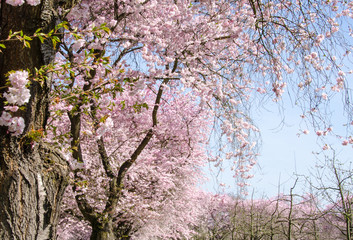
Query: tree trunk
[103, 231]
[107, 230]
[32, 185]
[33, 176]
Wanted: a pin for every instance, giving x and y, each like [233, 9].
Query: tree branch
[117, 183]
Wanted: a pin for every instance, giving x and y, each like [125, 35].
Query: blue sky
[283, 153]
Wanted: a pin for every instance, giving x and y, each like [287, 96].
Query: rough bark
[102, 231]
[32, 184]
[105, 229]
[33, 176]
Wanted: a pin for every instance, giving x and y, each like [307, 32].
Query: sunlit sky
[283, 154]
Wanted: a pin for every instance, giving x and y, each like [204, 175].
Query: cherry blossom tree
[159, 188]
[96, 80]
[217, 222]
[280, 217]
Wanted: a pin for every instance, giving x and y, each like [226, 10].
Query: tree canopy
[130, 95]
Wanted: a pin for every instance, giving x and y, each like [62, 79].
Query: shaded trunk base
[108, 232]
[103, 231]
[32, 183]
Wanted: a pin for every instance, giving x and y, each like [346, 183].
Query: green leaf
[105, 29]
[145, 105]
[76, 36]
[27, 38]
[54, 42]
[72, 73]
[27, 44]
[56, 38]
[41, 39]
[123, 105]
[50, 33]
[103, 118]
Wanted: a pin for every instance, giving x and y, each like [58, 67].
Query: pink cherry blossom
[15, 124]
[138, 88]
[78, 44]
[314, 55]
[18, 79]
[324, 96]
[11, 108]
[15, 2]
[33, 2]
[17, 95]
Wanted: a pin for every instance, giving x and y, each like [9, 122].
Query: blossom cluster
[107, 125]
[15, 124]
[20, 2]
[16, 96]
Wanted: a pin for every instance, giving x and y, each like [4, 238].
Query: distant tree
[333, 183]
[291, 216]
